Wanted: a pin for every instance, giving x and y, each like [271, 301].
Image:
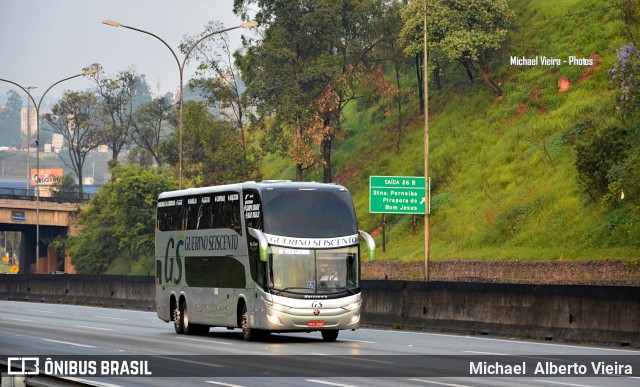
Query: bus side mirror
[263, 244]
[371, 243]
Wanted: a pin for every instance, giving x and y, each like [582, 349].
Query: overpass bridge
[57, 219]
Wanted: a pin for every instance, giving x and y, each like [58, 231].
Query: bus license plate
[316, 323]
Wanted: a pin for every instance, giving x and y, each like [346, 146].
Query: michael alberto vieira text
[595, 368]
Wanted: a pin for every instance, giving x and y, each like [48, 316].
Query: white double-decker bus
[261, 256]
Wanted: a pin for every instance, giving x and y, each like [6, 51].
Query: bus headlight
[354, 319]
[273, 319]
[353, 306]
[277, 307]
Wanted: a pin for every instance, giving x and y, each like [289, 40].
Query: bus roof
[260, 186]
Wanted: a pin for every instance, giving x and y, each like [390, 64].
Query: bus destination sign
[397, 195]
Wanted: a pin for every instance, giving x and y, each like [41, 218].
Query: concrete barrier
[604, 314]
[100, 290]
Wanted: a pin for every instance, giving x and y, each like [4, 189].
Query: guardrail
[605, 314]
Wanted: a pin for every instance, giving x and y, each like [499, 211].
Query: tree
[149, 123]
[600, 148]
[118, 227]
[305, 53]
[118, 94]
[470, 32]
[219, 78]
[283, 72]
[624, 176]
[78, 118]
[10, 119]
[211, 153]
[66, 188]
[391, 51]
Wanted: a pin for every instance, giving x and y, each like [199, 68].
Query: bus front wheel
[248, 334]
[330, 335]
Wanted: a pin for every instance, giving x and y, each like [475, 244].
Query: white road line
[203, 341]
[68, 343]
[488, 353]
[359, 341]
[41, 311]
[16, 319]
[94, 328]
[110, 318]
[352, 358]
[222, 384]
[438, 383]
[502, 340]
[329, 383]
[191, 361]
[564, 384]
[367, 360]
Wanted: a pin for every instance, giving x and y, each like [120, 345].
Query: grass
[504, 182]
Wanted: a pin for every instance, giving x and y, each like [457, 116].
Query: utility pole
[426, 150]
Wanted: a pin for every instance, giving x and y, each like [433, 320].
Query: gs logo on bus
[168, 262]
[316, 304]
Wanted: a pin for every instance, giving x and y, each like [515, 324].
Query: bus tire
[178, 323]
[190, 328]
[330, 334]
[248, 334]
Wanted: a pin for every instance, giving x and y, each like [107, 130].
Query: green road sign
[397, 195]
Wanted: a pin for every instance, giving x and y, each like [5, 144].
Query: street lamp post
[37, 106]
[28, 142]
[426, 143]
[181, 70]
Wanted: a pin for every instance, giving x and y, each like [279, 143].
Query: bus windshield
[309, 213]
[313, 271]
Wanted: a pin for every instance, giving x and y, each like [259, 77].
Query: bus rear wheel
[190, 328]
[330, 335]
[178, 323]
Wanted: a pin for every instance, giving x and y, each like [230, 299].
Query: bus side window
[207, 213]
[234, 221]
[192, 213]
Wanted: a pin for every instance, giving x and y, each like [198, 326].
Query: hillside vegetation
[505, 185]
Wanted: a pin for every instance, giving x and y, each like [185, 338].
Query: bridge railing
[30, 194]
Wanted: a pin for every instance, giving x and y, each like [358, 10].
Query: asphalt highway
[80, 340]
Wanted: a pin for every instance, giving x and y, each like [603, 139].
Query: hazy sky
[43, 41]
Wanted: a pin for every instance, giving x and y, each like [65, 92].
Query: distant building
[28, 126]
[57, 142]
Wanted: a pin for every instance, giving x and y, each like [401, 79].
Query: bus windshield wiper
[286, 289]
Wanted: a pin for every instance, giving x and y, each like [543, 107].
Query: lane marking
[191, 361]
[367, 360]
[351, 358]
[68, 343]
[222, 384]
[360, 341]
[439, 383]
[504, 340]
[110, 318]
[329, 383]
[16, 319]
[564, 384]
[94, 328]
[203, 341]
[41, 311]
[488, 353]
[514, 355]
